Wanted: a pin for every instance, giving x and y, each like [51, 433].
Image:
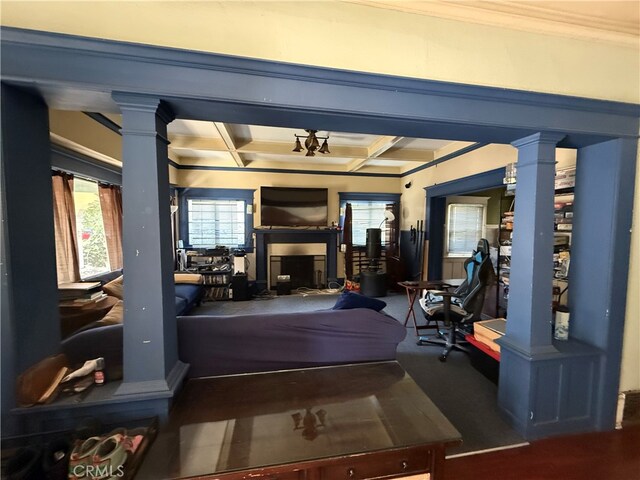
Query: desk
[358, 421]
[413, 289]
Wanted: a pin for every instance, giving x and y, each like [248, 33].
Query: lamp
[309, 423]
[388, 217]
[311, 143]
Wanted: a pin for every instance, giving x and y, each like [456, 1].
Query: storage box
[487, 331]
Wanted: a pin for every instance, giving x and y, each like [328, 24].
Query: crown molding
[523, 17]
[76, 147]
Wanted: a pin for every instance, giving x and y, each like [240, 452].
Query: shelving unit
[216, 267]
[563, 206]
[563, 214]
[505, 234]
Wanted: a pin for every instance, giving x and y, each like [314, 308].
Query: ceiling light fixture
[311, 143]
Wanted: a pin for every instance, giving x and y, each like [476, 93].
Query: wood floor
[608, 456]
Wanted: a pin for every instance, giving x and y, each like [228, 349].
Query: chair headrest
[483, 247]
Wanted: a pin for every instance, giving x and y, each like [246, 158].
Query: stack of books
[80, 293]
[487, 331]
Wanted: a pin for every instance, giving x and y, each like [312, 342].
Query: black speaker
[284, 287]
[240, 288]
[374, 245]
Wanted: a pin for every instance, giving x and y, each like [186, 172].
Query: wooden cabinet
[382, 465]
[376, 423]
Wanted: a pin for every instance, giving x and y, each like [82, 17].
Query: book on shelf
[487, 331]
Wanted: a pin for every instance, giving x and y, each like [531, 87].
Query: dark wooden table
[358, 421]
[413, 289]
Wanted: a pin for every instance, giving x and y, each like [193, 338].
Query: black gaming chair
[461, 307]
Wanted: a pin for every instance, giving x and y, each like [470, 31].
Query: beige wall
[255, 180]
[481, 160]
[79, 132]
[353, 37]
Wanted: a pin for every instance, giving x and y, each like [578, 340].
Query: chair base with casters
[449, 338]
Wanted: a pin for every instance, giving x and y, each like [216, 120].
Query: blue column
[30, 324]
[150, 331]
[603, 205]
[529, 318]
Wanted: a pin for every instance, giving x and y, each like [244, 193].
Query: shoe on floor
[55, 461]
[25, 464]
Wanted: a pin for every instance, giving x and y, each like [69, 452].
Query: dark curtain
[393, 232]
[64, 218]
[347, 239]
[111, 206]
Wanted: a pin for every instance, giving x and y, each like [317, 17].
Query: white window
[93, 258]
[216, 222]
[465, 226]
[368, 214]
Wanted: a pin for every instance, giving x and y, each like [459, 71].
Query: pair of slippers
[103, 457]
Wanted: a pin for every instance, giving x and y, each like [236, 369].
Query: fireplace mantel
[266, 236]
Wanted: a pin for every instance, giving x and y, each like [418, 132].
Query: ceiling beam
[197, 143]
[230, 144]
[356, 164]
[381, 145]
[377, 148]
[407, 155]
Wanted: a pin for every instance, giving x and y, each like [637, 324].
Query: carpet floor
[464, 395]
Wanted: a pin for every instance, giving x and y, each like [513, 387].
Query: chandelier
[311, 143]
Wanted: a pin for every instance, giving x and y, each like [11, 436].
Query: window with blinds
[367, 214]
[465, 222]
[216, 222]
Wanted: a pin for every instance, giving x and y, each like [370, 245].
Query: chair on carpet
[462, 307]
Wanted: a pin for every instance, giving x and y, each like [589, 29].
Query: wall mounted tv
[293, 207]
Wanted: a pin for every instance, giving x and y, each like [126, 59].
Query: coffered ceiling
[199, 143]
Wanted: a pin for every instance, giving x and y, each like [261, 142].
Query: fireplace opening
[305, 271]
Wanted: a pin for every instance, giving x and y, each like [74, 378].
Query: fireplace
[306, 271]
[289, 242]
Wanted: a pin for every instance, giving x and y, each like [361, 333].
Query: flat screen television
[293, 207]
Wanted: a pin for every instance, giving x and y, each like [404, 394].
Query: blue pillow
[348, 300]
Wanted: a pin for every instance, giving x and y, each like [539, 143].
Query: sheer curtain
[64, 217]
[111, 206]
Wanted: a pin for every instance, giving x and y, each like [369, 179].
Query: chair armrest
[442, 293]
